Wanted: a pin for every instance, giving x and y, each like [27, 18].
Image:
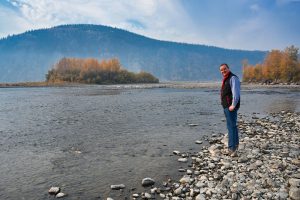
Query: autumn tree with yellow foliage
[90, 70]
[278, 67]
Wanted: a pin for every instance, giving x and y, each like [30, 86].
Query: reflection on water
[270, 100]
[86, 138]
[283, 104]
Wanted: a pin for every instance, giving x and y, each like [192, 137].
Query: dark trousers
[233, 135]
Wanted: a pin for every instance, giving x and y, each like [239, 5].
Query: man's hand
[231, 108]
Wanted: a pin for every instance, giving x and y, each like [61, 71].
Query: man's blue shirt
[235, 89]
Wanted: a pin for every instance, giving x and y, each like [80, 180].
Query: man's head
[224, 69]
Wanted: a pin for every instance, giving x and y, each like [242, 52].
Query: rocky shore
[267, 165]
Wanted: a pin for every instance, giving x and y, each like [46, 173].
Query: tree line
[278, 67]
[92, 71]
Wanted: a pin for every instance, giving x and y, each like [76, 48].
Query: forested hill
[29, 56]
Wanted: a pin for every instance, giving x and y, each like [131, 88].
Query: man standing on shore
[230, 100]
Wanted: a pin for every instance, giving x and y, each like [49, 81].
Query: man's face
[224, 70]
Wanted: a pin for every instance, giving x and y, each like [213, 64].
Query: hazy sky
[235, 24]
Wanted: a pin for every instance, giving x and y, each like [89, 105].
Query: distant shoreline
[36, 84]
[171, 84]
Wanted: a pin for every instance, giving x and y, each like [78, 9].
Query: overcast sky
[234, 24]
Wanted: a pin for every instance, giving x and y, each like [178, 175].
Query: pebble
[54, 190]
[147, 195]
[60, 195]
[242, 159]
[148, 182]
[185, 179]
[211, 165]
[135, 195]
[117, 187]
[294, 182]
[178, 191]
[200, 197]
[153, 190]
[182, 160]
[182, 170]
[176, 152]
[283, 195]
[295, 193]
[259, 163]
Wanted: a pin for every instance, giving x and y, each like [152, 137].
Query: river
[86, 138]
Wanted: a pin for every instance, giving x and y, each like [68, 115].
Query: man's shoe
[234, 154]
[227, 152]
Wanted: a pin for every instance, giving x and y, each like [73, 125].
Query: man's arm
[235, 89]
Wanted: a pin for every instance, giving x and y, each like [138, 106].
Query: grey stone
[176, 152]
[294, 182]
[148, 182]
[182, 159]
[296, 162]
[243, 159]
[283, 195]
[178, 191]
[117, 187]
[135, 195]
[147, 195]
[54, 190]
[294, 193]
[234, 196]
[211, 165]
[200, 197]
[185, 179]
[153, 190]
[259, 163]
[60, 195]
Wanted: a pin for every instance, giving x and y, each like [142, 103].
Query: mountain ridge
[29, 55]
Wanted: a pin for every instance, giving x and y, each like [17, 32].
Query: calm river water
[86, 138]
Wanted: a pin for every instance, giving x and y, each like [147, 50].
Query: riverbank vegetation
[278, 67]
[91, 71]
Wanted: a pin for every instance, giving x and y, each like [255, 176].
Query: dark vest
[226, 94]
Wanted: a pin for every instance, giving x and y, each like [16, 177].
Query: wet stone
[117, 187]
[148, 182]
[60, 195]
[182, 160]
[54, 190]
